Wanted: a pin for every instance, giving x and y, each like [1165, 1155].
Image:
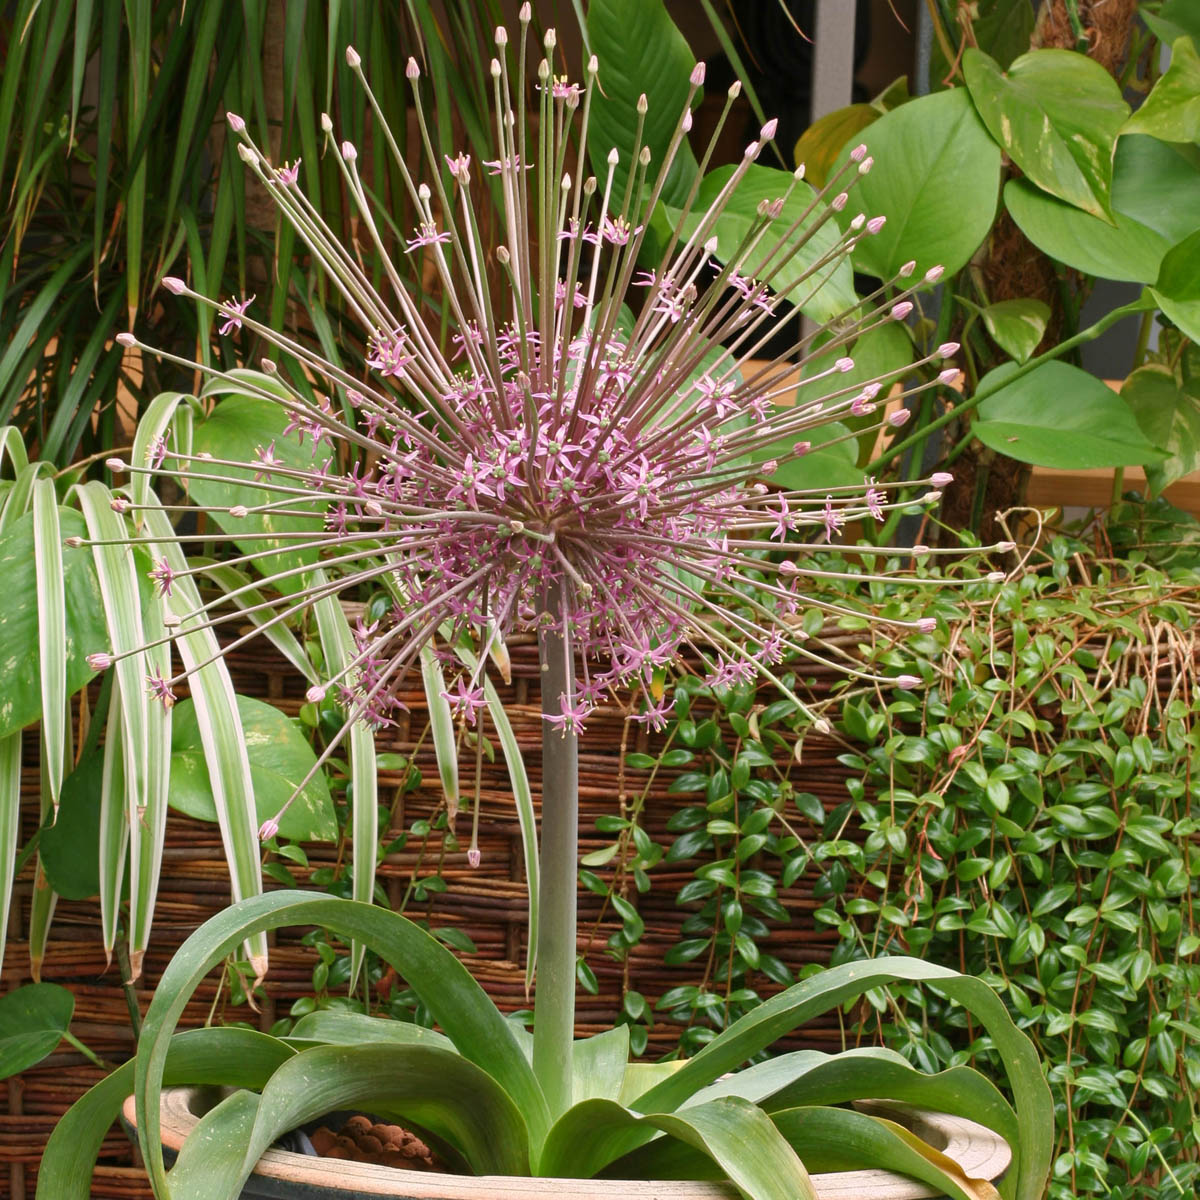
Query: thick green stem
[1084, 335]
[554, 996]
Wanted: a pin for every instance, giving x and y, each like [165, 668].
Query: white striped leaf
[441, 727]
[220, 724]
[119, 592]
[114, 830]
[10, 823]
[154, 424]
[52, 633]
[337, 644]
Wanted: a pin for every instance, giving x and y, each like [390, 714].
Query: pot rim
[979, 1151]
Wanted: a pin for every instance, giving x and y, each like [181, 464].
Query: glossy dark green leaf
[85, 633]
[936, 178]
[1060, 416]
[1056, 114]
[821, 296]
[280, 757]
[1172, 110]
[1125, 250]
[641, 52]
[70, 847]
[1169, 416]
[33, 1020]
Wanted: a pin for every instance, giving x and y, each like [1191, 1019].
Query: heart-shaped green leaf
[1060, 416]
[70, 847]
[1056, 114]
[280, 757]
[1017, 325]
[1158, 184]
[936, 177]
[33, 1020]
[1177, 289]
[822, 296]
[1126, 249]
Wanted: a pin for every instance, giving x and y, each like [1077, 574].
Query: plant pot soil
[285, 1175]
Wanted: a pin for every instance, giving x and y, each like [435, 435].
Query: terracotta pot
[282, 1175]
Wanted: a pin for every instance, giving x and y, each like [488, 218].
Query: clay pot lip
[981, 1153]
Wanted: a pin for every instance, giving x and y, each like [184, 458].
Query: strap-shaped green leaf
[233, 1057]
[457, 1002]
[114, 829]
[331, 1027]
[735, 1134]
[599, 1064]
[758, 1029]
[441, 727]
[52, 633]
[826, 1139]
[337, 644]
[437, 1089]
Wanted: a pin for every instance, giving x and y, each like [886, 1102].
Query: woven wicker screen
[488, 903]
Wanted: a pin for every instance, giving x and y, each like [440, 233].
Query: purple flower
[233, 311]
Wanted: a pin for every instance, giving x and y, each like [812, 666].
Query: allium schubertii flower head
[589, 453]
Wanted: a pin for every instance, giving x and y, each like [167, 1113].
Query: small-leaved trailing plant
[1028, 816]
[593, 471]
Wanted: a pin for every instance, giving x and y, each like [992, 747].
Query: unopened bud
[613, 157]
[820, 725]
[501, 36]
[768, 130]
[349, 153]
[899, 417]
[174, 285]
[927, 624]
[839, 201]
[269, 367]
[526, 13]
[119, 504]
[996, 577]
[268, 829]
[857, 222]
[474, 857]
[931, 497]
[235, 122]
[901, 310]
[908, 268]
[126, 339]
[73, 543]
[100, 661]
[752, 150]
[172, 620]
[114, 464]
[353, 58]
[697, 77]
[247, 153]
[919, 550]
[801, 448]
[844, 364]
[948, 376]
[908, 682]
[939, 479]
[1005, 547]
[735, 89]
[946, 349]
[643, 105]
[934, 274]
[315, 694]
[875, 224]
[411, 70]
[866, 164]
[685, 122]
[859, 152]
[326, 123]
[239, 510]
[502, 255]
[550, 40]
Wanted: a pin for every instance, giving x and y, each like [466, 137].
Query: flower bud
[859, 152]
[353, 58]
[100, 661]
[501, 36]
[919, 550]
[411, 70]
[473, 857]
[268, 829]
[697, 78]
[1005, 547]
[235, 122]
[996, 577]
[839, 201]
[934, 274]
[238, 510]
[126, 339]
[326, 123]
[946, 349]
[844, 364]
[948, 376]
[939, 479]
[174, 285]
[908, 268]
[901, 310]
[349, 153]
[899, 417]
[73, 543]
[114, 464]
[875, 224]
[172, 620]
[866, 164]
[315, 694]
[908, 682]
[768, 130]
[927, 624]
